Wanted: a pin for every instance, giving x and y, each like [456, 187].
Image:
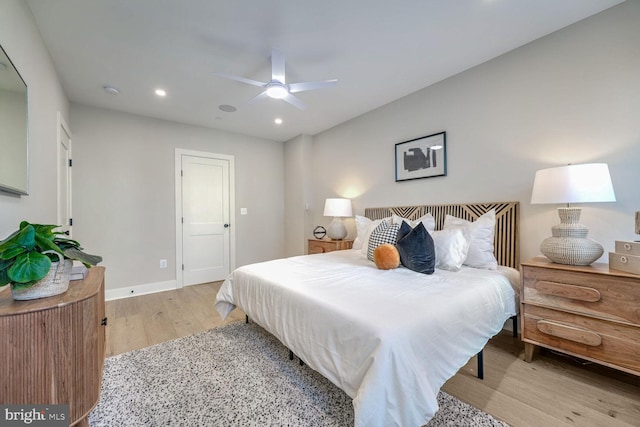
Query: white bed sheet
[390, 339]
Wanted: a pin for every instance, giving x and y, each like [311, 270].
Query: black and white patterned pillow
[383, 233]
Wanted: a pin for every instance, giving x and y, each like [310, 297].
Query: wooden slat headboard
[506, 243]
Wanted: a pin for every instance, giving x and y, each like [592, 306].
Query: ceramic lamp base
[569, 243]
[336, 229]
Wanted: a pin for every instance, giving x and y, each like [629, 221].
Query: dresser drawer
[610, 343]
[317, 246]
[604, 296]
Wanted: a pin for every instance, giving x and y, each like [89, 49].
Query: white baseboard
[144, 289]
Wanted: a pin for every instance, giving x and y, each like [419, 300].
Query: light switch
[243, 211]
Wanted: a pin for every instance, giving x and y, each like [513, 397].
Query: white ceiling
[378, 50]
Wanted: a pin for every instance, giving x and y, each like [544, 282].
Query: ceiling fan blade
[294, 101]
[300, 87]
[277, 66]
[240, 79]
[260, 96]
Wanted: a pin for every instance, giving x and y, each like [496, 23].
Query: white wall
[21, 40]
[298, 193]
[124, 192]
[570, 97]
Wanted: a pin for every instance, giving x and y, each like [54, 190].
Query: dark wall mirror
[14, 146]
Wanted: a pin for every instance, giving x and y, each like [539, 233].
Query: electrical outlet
[163, 263]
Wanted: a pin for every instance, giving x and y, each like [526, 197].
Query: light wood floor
[553, 390]
[139, 322]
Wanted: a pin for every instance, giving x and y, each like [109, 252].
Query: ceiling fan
[277, 88]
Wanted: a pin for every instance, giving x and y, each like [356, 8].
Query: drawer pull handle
[571, 333]
[623, 259]
[627, 246]
[563, 290]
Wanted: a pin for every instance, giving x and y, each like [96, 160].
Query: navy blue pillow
[416, 248]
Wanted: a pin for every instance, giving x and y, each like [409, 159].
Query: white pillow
[362, 225]
[481, 233]
[451, 248]
[427, 220]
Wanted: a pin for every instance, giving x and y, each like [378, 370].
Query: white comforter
[389, 339]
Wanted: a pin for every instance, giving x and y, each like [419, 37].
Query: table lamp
[337, 208]
[584, 183]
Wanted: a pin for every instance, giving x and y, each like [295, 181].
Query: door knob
[226, 226]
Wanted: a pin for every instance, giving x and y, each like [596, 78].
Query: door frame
[63, 127]
[232, 207]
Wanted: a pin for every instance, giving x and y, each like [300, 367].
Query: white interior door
[64, 176]
[205, 219]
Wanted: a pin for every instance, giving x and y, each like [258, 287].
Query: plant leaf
[11, 236]
[64, 243]
[73, 253]
[24, 236]
[4, 276]
[45, 230]
[11, 251]
[46, 244]
[29, 267]
[4, 267]
[25, 239]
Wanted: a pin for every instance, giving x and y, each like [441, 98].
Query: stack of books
[78, 272]
[626, 257]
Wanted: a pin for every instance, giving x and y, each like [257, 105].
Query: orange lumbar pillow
[386, 257]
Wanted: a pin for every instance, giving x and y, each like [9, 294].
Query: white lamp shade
[573, 184]
[337, 207]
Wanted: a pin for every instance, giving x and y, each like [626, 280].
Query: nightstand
[319, 246]
[586, 311]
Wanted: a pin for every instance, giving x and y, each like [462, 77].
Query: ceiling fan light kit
[277, 88]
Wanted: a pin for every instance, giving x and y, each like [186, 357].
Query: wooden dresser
[587, 311]
[53, 348]
[318, 246]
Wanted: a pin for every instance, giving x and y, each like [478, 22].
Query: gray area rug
[235, 375]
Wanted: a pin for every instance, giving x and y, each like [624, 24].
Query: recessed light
[161, 92]
[111, 90]
[278, 121]
[227, 108]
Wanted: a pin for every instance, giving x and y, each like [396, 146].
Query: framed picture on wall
[423, 157]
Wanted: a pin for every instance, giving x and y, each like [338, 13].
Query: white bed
[389, 339]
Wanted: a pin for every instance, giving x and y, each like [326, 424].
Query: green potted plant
[37, 261]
